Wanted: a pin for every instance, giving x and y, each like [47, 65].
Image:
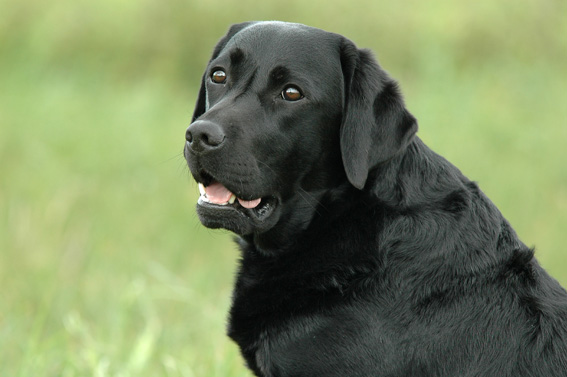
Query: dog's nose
[204, 135]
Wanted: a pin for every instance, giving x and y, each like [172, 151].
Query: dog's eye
[291, 93]
[218, 76]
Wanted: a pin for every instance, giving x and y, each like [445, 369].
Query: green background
[104, 267]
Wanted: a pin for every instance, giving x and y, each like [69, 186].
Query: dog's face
[258, 141]
[271, 131]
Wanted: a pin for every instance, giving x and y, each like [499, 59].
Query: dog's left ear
[376, 125]
[201, 105]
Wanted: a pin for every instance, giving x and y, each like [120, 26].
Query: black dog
[363, 252]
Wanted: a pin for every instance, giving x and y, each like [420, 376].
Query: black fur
[372, 256]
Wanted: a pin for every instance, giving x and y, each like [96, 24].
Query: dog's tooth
[202, 189]
[232, 199]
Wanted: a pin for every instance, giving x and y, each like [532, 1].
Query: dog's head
[286, 113]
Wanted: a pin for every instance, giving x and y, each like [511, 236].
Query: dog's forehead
[278, 42]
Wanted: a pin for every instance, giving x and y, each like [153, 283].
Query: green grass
[104, 267]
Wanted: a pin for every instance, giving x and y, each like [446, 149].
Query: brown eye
[218, 76]
[291, 93]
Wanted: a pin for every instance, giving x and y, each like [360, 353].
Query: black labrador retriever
[364, 253]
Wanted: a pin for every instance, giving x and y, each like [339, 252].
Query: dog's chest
[291, 314]
[313, 343]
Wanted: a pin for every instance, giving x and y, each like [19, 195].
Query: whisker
[278, 181]
[307, 197]
[308, 201]
[177, 155]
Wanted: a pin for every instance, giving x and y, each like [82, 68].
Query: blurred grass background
[104, 267]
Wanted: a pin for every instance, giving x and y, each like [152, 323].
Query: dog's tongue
[249, 203]
[218, 194]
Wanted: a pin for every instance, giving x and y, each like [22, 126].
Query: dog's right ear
[201, 105]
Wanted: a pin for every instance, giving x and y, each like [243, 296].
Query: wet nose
[203, 136]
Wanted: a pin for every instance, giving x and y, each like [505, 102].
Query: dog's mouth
[218, 207]
[216, 194]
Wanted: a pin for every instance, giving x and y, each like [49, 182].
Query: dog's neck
[417, 186]
[408, 181]
[414, 177]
